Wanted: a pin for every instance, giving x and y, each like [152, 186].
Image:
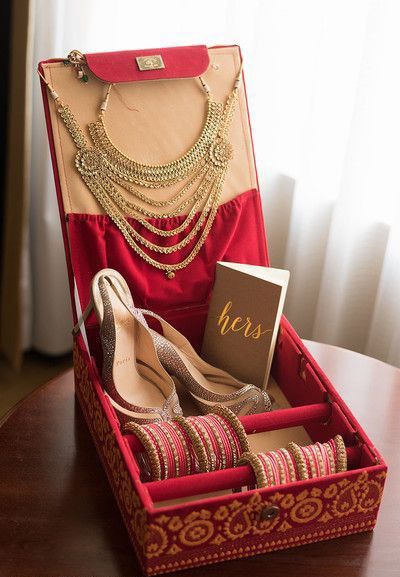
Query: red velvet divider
[218, 481]
[336, 424]
[367, 455]
[285, 376]
[284, 418]
[298, 381]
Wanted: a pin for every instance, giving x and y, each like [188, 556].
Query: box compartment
[174, 524]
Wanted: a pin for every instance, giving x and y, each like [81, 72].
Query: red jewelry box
[176, 524]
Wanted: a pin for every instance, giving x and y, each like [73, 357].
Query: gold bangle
[220, 444]
[253, 460]
[310, 459]
[266, 463]
[228, 434]
[147, 443]
[341, 454]
[321, 463]
[185, 447]
[331, 457]
[289, 462]
[212, 457]
[237, 426]
[172, 445]
[155, 439]
[299, 460]
[198, 447]
[281, 469]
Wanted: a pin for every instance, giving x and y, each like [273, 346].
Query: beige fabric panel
[153, 122]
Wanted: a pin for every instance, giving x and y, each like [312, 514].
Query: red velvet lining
[237, 235]
[298, 380]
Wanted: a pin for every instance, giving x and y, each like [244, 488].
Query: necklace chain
[157, 176]
[103, 167]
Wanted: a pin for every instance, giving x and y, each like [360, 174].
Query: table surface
[58, 516]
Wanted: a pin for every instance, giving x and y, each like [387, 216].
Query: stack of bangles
[200, 444]
[297, 463]
[184, 446]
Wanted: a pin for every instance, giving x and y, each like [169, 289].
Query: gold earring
[77, 60]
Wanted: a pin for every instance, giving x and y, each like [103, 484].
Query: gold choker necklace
[103, 168]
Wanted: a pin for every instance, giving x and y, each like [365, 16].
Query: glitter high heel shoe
[208, 385]
[138, 386]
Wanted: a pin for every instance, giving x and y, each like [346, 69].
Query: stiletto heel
[138, 386]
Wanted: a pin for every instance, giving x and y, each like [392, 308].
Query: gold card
[243, 320]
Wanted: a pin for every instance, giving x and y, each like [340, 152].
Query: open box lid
[154, 115]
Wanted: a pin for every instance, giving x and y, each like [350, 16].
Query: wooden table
[58, 516]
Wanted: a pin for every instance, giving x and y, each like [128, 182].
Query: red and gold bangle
[234, 444]
[294, 463]
[267, 466]
[259, 471]
[198, 447]
[185, 447]
[236, 441]
[208, 442]
[332, 445]
[218, 441]
[318, 459]
[324, 456]
[309, 458]
[283, 466]
[290, 464]
[218, 436]
[235, 424]
[331, 457]
[160, 448]
[151, 451]
[277, 469]
[301, 464]
[341, 455]
[224, 446]
[163, 434]
[178, 447]
[221, 432]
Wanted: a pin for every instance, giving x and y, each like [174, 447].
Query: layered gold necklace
[105, 170]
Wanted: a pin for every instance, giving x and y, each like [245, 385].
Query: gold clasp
[153, 62]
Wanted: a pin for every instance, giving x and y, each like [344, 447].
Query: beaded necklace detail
[103, 168]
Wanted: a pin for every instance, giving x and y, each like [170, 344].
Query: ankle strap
[76, 329]
[136, 312]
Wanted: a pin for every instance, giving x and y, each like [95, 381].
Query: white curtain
[324, 96]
